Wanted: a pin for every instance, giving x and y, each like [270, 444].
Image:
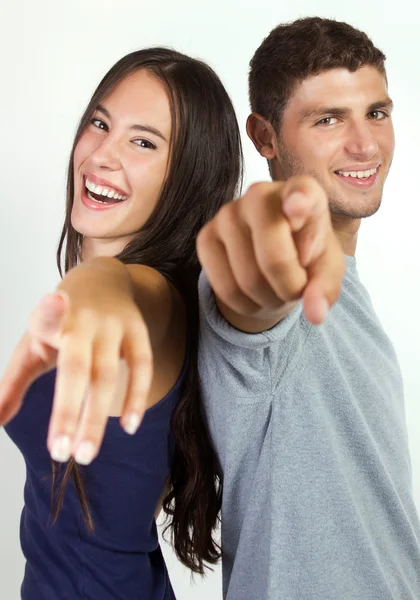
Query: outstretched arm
[271, 247]
[103, 312]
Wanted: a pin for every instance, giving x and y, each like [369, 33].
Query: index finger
[305, 206]
[273, 244]
[304, 202]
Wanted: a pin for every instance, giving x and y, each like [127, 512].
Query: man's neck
[346, 230]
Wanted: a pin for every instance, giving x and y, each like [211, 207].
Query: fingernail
[61, 448]
[85, 453]
[131, 423]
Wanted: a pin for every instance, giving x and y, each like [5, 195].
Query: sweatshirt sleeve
[245, 364]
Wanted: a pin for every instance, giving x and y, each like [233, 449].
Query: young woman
[156, 154]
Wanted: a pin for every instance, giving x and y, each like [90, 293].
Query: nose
[361, 143]
[107, 156]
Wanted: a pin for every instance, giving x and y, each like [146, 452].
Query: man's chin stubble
[349, 212]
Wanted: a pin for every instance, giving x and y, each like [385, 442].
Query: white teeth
[90, 186]
[103, 191]
[358, 174]
[109, 193]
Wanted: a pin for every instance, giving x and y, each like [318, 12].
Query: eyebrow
[135, 127]
[337, 111]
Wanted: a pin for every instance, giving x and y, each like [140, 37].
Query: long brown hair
[205, 172]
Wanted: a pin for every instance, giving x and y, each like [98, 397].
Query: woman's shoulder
[161, 303]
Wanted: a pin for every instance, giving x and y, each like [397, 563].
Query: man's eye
[378, 115]
[145, 144]
[99, 124]
[327, 121]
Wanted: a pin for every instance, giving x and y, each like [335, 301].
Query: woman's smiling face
[121, 161]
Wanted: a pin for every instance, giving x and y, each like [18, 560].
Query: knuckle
[274, 268]
[291, 295]
[231, 294]
[110, 324]
[227, 220]
[204, 238]
[256, 189]
[140, 361]
[249, 209]
[251, 282]
[277, 264]
[252, 200]
[286, 280]
[259, 197]
[225, 212]
[83, 316]
[72, 362]
[77, 324]
[104, 372]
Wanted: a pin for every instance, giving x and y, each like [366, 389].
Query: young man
[308, 420]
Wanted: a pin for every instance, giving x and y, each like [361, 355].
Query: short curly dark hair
[295, 51]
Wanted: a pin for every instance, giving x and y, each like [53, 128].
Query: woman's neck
[92, 248]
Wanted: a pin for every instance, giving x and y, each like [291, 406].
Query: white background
[53, 54]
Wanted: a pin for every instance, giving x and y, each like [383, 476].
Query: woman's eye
[145, 144]
[99, 124]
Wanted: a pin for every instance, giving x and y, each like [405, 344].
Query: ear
[262, 134]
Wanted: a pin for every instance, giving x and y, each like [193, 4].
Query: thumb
[46, 320]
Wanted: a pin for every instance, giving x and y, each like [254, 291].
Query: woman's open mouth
[100, 194]
[101, 197]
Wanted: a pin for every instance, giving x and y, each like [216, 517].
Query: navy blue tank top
[122, 559]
